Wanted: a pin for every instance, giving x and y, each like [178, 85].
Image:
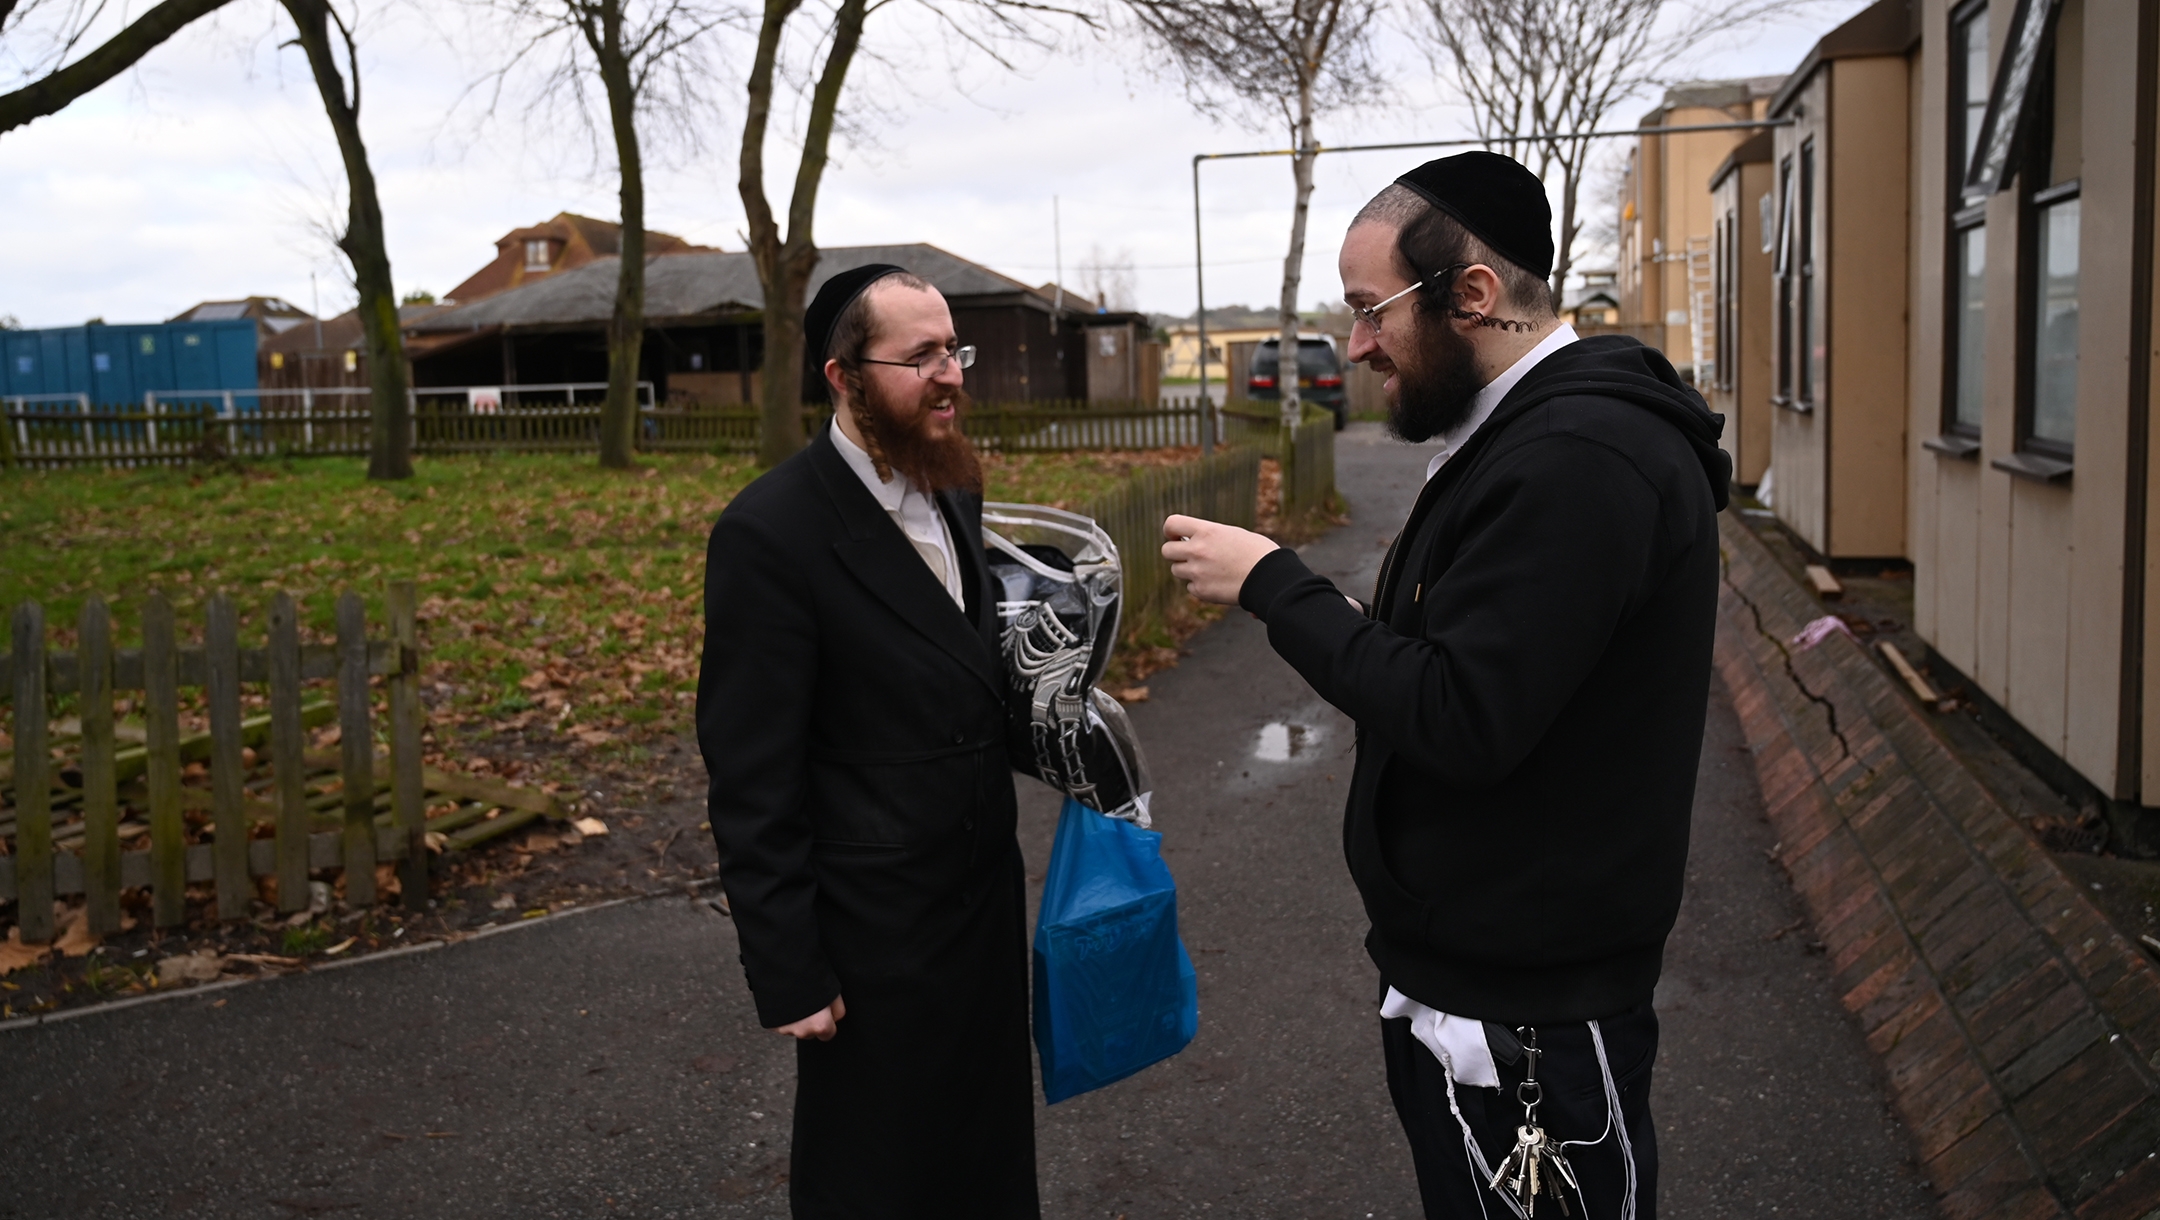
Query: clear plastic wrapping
[1060, 588]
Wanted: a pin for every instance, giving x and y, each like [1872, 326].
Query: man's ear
[1478, 290]
[836, 377]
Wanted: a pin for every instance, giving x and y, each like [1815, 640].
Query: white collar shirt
[1481, 407]
[914, 512]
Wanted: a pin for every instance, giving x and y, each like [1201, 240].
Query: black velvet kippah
[1495, 197]
[832, 300]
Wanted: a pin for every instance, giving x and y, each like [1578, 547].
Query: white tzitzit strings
[1483, 1171]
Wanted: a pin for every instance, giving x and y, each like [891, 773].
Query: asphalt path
[609, 1063]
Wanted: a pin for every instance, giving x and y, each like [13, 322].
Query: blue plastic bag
[1114, 990]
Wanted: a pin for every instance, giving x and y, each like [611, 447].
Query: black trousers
[1573, 1109]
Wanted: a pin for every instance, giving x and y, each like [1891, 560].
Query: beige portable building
[1742, 208]
[2031, 516]
[1664, 267]
[1839, 288]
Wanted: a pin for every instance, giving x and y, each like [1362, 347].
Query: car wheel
[1342, 418]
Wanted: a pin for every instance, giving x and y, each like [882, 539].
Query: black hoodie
[1529, 692]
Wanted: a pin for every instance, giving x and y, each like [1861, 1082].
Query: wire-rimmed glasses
[934, 363]
[1370, 314]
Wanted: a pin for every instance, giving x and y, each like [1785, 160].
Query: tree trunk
[1301, 171]
[785, 266]
[122, 51]
[626, 328]
[390, 416]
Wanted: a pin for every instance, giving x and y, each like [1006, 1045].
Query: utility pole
[1057, 263]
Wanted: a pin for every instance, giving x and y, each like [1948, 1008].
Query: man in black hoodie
[1529, 685]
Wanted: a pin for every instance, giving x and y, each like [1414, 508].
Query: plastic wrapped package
[1060, 586]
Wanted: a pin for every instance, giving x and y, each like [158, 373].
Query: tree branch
[119, 53]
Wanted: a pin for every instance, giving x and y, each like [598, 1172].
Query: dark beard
[896, 435]
[1438, 392]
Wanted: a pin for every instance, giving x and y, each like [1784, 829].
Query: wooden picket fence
[43, 436]
[376, 808]
[1224, 486]
[1308, 462]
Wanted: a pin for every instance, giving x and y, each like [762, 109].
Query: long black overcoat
[853, 721]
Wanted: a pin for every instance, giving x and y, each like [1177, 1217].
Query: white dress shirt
[914, 512]
[1481, 407]
[1459, 1042]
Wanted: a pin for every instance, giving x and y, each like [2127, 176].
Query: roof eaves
[1888, 27]
[1760, 147]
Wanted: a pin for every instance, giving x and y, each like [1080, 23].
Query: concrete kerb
[203, 989]
[1933, 898]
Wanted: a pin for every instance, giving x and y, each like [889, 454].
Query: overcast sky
[209, 171]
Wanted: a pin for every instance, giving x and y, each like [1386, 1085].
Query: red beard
[898, 435]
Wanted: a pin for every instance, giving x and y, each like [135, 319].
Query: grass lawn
[553, 594]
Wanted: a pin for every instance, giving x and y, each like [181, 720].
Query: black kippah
[1495, 197]
[832, 300]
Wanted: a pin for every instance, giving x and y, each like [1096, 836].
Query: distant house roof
[272, 315]
[338, 333]
[1589, 294]
[1713, 95]
[706, 286]
[552, 248]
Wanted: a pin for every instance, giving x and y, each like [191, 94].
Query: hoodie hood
[1616, 366]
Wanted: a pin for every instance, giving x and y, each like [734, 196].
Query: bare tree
[1286, 60]
[390, 414]
[1110, 279]
[64, 24]
[786, 261]
[1532, 68]
[636, 49]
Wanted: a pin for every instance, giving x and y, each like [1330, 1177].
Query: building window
[2048, 276]
[1721, 289]
[537, 255]
[1968, 86]
[1965, 319]
[1810, 350]
[2055, 324]
[1968, 318]
[1784, 282]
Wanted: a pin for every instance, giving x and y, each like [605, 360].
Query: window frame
[2035, 197]
[1805, 390]
[1782, 394]
[1958, 438]
[2033, 208]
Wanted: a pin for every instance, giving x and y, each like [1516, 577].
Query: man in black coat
[1529, 685]
[853, 717]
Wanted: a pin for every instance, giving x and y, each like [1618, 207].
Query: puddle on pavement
[1280, 742]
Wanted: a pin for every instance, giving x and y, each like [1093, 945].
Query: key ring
[1530, 1092]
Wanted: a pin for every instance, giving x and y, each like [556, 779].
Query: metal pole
[1199, 265]
[1199, 277]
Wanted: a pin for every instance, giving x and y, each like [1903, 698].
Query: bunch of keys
[1536, 1165]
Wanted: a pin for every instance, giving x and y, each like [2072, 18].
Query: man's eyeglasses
[934, 363]
[1370, 314]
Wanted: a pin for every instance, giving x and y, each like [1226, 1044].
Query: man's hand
[822, 1024]
[1212, 559]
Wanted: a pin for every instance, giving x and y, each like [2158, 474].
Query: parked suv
[1320, 375]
